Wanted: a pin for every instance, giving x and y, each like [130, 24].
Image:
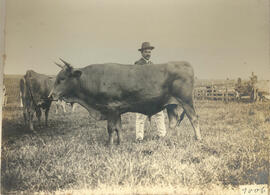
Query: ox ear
[76, 73]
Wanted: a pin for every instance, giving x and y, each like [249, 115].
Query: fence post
[212, 88]
[226, 95]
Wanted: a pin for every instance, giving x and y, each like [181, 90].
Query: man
[253, 79]
[145, 50]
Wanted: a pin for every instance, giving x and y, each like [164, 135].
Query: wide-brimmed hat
[146, 45]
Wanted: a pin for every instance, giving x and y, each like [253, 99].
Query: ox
[34, 89]
[109, 90]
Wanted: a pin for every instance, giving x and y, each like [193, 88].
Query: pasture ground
[71, 154]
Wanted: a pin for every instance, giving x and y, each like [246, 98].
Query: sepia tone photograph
[135, 97]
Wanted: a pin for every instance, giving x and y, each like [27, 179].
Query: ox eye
[60, 79]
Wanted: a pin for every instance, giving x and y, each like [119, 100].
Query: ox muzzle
[52, 96]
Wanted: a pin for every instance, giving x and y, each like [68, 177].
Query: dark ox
[34, 89]
[109, 90]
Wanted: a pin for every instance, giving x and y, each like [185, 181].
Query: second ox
[34, 92]
[109, 90]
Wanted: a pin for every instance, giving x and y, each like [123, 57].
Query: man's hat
[146, 45]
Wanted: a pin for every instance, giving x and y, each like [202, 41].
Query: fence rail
[213, 94]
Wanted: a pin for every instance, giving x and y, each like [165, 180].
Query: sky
[220, 38]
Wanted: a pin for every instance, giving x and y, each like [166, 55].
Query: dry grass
[71, 152]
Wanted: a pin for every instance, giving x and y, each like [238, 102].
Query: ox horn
[61, 66]
[66, 63]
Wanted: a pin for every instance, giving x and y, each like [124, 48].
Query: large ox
[109, 90]
[34, 89]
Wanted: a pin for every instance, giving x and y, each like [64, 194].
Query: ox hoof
[33, 131]
[198, 138]
[173, 124]
[139, 140]
[109, 144]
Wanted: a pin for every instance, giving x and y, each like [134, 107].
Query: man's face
[146, 53]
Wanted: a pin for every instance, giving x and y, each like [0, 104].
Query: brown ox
[109, 90]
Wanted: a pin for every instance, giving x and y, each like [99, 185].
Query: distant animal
[60, 103]
[263, 88]
[245, 89]
[73, 106]
[5, 96]
[109, 90]
[63, 104]
[35, 89]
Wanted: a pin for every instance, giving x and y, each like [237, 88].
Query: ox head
[66, 82]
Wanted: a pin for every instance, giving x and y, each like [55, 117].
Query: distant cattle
[5, 96]
[263, 90]
[245, 89]
[35, 89]
[109, 90]
[62, 104]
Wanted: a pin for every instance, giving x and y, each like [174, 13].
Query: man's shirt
[143, 61]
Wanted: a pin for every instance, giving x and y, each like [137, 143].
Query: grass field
[71, 152]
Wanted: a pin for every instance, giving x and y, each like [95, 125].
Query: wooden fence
[212, 93]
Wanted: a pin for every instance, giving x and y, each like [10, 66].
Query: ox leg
[193, 118]
[73, 107]
[31, 116]
[46, 116]
[172, 115]
[183, 94]
[25, 116]
[110, 127]
[64, 106]
[56, 109]
[5, 100]
[21, 104]
[181, 118]
[114, 124]
[118, 129]
[38, 114]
